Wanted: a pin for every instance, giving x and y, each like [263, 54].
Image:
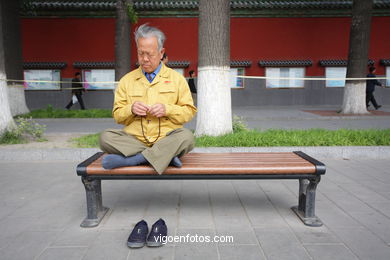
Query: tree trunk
[214, 94]
[13, 55]
[122, 39]
[6, 120]
[354, 101]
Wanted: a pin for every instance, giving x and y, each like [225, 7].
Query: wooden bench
[290, 165]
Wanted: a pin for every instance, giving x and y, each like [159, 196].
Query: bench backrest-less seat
[286, 165]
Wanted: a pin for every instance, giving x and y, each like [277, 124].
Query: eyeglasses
[147, 55]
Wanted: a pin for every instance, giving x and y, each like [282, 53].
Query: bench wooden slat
[211, 166]
[227, 163]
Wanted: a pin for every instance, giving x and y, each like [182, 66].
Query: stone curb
[324, 152]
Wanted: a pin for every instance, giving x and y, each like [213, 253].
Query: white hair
[146, 31]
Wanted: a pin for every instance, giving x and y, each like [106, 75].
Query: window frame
[102, 86]
[239, 81]
[57, 78]
[327, 81]
[267, 83]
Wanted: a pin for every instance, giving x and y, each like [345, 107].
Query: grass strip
[268, 138]
[10, 137]
[51, 112]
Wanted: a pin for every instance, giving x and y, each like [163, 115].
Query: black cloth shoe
[157, 234]
[137, 237]
[379, 106]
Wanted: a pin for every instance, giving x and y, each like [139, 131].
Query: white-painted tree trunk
[214, 94]
[354, 101]
[214, 101]
[6, 120]
[17, 100]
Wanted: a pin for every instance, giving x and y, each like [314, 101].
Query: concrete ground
[43, 202]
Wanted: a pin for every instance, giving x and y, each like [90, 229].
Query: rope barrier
[243, 77]
[263, 77]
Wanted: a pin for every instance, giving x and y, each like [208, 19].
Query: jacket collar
[163, 73]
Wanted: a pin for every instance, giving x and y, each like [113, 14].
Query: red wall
[92, 39]
[68, 40]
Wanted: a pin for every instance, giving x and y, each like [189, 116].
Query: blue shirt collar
[153, 74]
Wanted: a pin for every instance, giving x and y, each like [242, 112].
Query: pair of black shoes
[139, 236]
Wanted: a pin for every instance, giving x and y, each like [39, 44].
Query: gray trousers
[176, 143]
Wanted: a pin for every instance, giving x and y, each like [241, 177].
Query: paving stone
[234, 222]
[68, 253]
[363, 243]
[278, 194]
[11, 228]
[194, 199]
[121, 218]
[330, 252]
[165, 199]
[380, 168]
[379, 186]
[196, 252]
[203, 220]
[376, 222]
[224, 200]
[348, 201]
[27, 245]
[109, 245]
[314, 235]
[333, 173]
[280, 244]
[383, 208]
[373, 168]
[333, 216]
[247, 252]
[75, 236]
[365, 194]
[146, 253]
[195, 206]
[195, 231]
[7, 208]
[258, 207]
[239, 236]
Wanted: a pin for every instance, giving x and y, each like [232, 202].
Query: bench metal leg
[306, 202]
[95, 209]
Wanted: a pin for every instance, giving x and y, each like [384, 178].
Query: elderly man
[153, 102]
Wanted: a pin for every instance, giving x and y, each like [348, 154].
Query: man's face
[148, 54]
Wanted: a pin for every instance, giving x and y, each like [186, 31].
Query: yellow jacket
[168, 88]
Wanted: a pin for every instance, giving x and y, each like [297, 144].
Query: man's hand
[157, 110]
[139, 108]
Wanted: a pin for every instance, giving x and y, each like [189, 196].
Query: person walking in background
[77, 91]
[370, 88]
[191, 82]
[165, 59]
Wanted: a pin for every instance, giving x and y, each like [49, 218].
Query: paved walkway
[43, 204]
